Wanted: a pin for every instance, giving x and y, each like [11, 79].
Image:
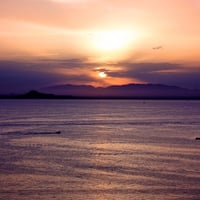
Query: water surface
[107, 149]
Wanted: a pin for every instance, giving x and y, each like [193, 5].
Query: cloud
[62, 14]
[18, 77]
[162, 73]
[70, 1]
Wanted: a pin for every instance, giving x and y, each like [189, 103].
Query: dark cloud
[162, 73]
[102, 69]
[75, 63]
[17, 77]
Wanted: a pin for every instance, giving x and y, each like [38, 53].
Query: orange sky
[109, 35]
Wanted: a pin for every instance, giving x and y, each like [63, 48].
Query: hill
[130, 91]
[148, 91]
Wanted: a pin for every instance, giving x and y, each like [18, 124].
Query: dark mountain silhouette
[35, 95]
[130, 91]
[123, 91]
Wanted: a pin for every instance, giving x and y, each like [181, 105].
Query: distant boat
[43, 133]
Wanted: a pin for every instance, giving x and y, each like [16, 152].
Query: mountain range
[130, 91]
[148, 91]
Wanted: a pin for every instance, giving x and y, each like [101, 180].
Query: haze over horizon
[99, 43]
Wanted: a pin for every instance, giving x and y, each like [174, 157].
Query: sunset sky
[98, 42]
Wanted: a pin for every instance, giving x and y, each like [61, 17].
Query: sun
[112, 40]
[102, 74]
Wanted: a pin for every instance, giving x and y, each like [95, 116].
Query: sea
[99, 150]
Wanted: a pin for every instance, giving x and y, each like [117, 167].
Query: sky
[99, 43]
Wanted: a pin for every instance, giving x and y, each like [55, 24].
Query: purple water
[107, 149]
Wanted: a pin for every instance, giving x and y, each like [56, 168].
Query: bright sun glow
[112, 40]
[102, 74]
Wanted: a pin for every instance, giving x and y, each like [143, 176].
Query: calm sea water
[107, 149]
